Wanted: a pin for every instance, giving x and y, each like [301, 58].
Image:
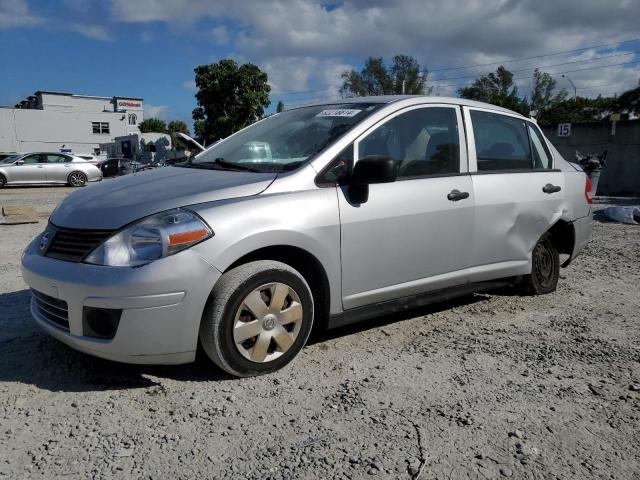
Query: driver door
[31, 171]
[409, 237]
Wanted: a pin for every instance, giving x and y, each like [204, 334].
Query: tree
[229, 98]
[542, 94]
[178, 126]
[629, 101]
[152, 125]
[578, 110]
[496, 88]
[377, 79]
[280, 107]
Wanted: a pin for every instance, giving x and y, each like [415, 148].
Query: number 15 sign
[564, 130]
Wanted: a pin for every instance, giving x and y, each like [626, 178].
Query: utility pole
[575, 90]
[403, 86]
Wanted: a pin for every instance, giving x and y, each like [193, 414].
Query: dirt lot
[489, 386]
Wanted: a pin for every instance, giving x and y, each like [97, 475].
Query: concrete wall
[621, 174]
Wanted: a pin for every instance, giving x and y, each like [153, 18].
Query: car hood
[111, 204]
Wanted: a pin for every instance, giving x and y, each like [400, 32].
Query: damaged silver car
[321, 215]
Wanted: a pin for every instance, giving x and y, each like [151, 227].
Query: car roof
[48, 153]
[414, 100]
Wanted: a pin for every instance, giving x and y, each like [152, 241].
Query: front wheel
[3, 181]
[77, 179]
[545, 269]
[258, 318]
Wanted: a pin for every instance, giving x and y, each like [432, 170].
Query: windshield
[284, 141]
[10, 159]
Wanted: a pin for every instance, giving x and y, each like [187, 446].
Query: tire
[248, 342]
[3, 181]
[545, 269]
[77, 179]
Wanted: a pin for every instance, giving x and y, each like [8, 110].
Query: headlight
[154, 237]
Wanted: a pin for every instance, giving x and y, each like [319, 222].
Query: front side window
[33, 159]
[423, 142]
[502, 143]
[284, 141]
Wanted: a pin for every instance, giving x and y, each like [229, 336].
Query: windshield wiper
[233, 166]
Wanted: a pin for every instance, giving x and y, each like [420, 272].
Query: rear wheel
[545, 269]
[77, 179]
[258, 318]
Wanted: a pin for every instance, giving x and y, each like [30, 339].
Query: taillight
[587, 191]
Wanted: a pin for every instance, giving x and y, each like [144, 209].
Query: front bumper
[162, 304]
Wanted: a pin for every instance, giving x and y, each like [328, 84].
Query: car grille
[53, 310]
[73, 245]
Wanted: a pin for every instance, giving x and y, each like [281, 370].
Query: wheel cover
[543, 265]
[77, 179]
[267, 322]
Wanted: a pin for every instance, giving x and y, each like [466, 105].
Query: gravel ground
[489, 386]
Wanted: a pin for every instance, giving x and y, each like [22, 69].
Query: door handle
[40, 166]
[455, 195]
[550, 188]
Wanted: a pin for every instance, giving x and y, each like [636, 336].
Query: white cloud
[220, 35]
[96, 32]
[298, 41]
[155, 111]
[190, 85]
[15, 13]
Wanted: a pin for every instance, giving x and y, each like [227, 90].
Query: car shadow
[320, 336]
[30, 356]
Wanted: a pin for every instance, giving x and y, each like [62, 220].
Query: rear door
[58, 168]
[518, 193]
[410, 236]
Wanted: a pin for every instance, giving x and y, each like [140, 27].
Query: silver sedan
[36, 168]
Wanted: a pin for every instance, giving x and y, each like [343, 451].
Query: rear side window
[541, 157]
[502, 143]
[423, 142]
[57, 159]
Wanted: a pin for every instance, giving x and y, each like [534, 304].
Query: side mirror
[374, 169]
[368, 170]
[19, 162]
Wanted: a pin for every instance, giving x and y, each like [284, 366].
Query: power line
[551, 73]
[543, 66]
[302, 92]
[534, 56]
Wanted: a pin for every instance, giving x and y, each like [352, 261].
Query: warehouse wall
[621, 175]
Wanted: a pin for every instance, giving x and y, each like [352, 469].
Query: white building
[56, 121]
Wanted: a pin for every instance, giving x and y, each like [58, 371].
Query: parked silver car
[360, 208]
[46, 167]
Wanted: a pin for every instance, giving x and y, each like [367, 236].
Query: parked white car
[45, 167]
[355, 209]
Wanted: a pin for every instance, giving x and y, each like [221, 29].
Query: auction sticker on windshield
[339, 112]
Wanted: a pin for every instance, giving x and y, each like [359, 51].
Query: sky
[149, 48]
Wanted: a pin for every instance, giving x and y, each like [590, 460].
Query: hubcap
[267, 322]
[543, 264]
[77, 179]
